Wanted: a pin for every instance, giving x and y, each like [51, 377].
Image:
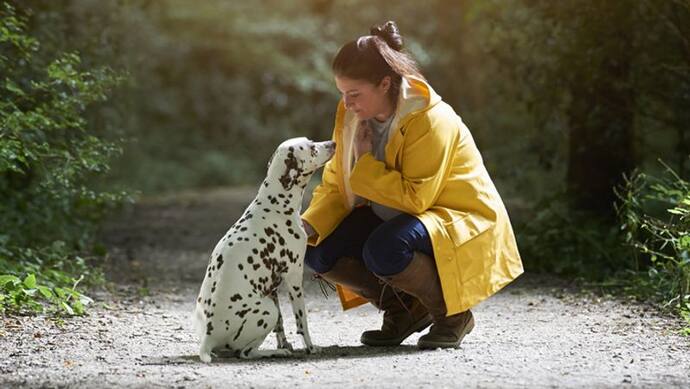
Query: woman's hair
[375, 56]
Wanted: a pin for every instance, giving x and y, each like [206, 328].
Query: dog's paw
[206, 358]
[253, 354]
[282, 352]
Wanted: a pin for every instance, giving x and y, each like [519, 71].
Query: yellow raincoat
[433, 171]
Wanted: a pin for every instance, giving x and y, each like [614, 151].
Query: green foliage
[571, 243]
[655, 217]
[48, 154]
[599, 103]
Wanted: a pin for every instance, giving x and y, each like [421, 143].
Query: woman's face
[365, 99]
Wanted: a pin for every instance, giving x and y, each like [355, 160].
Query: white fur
[238, 305]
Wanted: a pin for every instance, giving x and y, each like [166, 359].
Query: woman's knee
[386, 255]
[316, 261]
[390, 248]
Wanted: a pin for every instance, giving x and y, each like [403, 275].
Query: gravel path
[538, 332]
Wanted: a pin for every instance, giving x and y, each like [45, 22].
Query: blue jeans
[385, 247]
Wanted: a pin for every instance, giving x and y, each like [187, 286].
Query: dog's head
[296, 159]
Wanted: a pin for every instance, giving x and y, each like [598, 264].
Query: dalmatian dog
[238, 305]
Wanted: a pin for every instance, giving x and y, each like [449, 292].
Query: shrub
[655, 219]
[48, 154]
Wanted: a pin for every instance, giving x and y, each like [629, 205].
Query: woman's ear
[385, 84]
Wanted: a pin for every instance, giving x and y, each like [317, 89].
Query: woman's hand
[308, 228]
[363, 139]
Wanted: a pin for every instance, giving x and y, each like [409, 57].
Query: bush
[655, 219]
[645, 253]
[571, 243]
[48, 154]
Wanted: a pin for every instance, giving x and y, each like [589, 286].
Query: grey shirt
[379, 131]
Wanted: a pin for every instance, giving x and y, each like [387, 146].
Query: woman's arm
[327, 207]
[427, 159]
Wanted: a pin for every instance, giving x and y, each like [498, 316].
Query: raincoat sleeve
[327, 207]
[427, 159]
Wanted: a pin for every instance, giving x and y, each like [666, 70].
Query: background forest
[580, 109]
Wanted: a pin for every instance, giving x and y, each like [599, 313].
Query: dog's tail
[197, 321]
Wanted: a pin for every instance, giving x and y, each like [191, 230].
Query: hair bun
[389, 32]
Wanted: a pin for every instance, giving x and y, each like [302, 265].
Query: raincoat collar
[416, 96]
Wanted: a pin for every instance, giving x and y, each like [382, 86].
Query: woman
[406, 216]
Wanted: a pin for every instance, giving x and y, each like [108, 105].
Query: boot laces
[395, 293]
[324, 285]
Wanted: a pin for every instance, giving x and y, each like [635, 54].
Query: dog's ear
[293, 170]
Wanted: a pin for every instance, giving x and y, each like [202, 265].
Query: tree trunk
[601, 129]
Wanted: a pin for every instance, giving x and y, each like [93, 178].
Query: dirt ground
[537, 332]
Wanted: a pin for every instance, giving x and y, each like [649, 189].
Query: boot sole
[419, 326]
[427, 345]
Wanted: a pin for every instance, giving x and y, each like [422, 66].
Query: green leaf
[60, 292]
[67, 308]
[46, 292]
[30, 281]
[5, 278]
[14, 88]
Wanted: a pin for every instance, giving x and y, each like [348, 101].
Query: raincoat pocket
[466, 228]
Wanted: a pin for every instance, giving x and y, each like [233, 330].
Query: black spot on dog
[239, 266]
[239, 330]
[235, 297]
[260, 322]
[209, 328]
[220, 261]
[243, 312]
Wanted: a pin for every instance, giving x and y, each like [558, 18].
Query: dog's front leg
[279, 329]
[295, 292]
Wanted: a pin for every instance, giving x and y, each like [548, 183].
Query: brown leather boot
[420, 279]
[398, 323]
